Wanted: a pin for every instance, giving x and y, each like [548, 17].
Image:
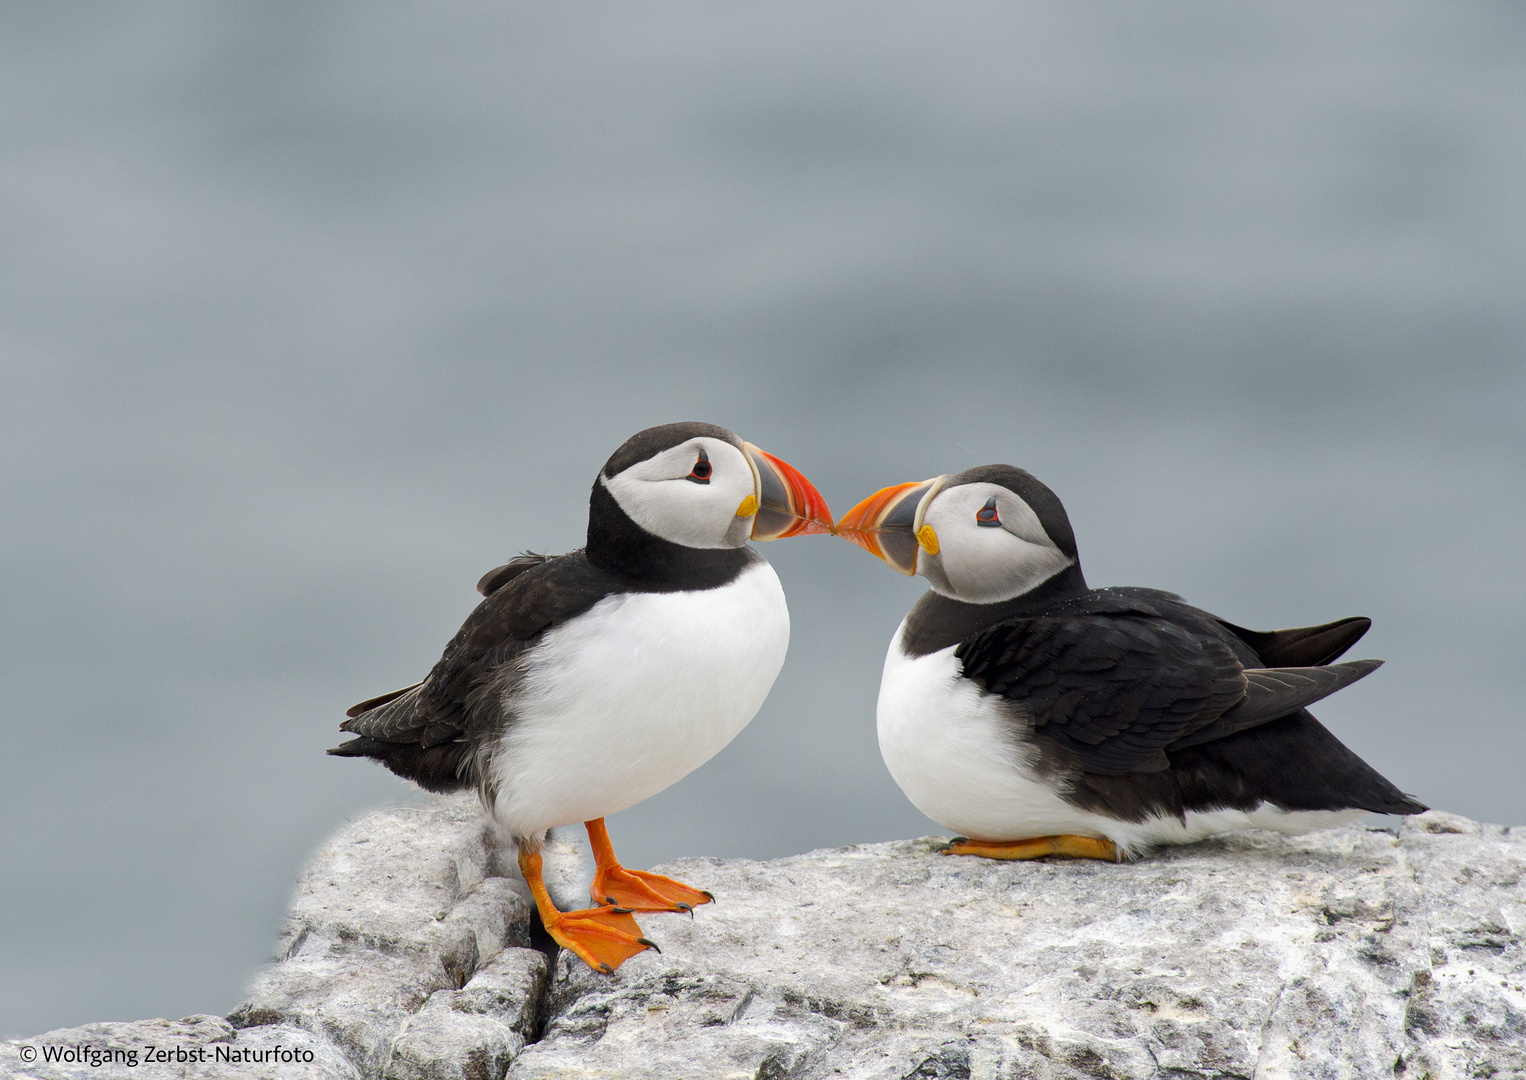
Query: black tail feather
[380, 699]
[1293, 762]
[1303, 646]
[441, 769]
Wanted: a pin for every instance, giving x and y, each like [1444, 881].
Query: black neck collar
[936, 621]
[647, 563]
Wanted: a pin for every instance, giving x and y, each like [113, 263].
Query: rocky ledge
[1350, 953]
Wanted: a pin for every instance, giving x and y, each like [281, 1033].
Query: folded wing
[436, 731]
[1119, 691]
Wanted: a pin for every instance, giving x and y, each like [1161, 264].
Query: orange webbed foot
[1067, 846]
[604, 937]
[635, 890]
[639, 890]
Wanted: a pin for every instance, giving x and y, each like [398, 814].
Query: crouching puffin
[1040, 717]
[586, 682]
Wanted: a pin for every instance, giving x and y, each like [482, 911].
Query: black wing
[1304, 646]
[1272, 693]
[431, 732]
[1119, 690]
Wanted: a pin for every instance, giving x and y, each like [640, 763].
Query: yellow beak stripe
[748, 508]
[928, 539]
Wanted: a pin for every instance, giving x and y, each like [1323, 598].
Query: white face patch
[659, 496]
[985, 563]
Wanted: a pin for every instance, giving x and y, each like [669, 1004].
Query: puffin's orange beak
[787, 503]
[886, 523]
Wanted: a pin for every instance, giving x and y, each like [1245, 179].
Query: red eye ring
[700, 474]
[987, 515]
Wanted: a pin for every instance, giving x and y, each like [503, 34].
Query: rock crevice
[409, 953]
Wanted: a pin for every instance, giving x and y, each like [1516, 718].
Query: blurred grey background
[311, 313]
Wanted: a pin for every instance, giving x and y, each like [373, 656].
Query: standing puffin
[1040, 717]
[586, 682]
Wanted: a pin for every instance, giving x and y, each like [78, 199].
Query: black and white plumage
[1018, 703]
[584, 683]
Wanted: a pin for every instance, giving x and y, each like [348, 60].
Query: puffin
[584, 683]
[1037, 716]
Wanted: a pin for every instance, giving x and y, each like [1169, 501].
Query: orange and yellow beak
[787, 503]
[889, 525]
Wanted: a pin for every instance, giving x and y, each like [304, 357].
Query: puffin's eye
[700, 474]
[986, 515]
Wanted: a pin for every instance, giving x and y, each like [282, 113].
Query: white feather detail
[635, 694]
[952, 750]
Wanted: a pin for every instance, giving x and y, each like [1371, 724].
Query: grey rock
[1350, 953]
[475, 1032]
[395, 910]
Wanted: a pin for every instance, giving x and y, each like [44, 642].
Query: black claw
[681, 906]
[606, 968]
[610, 900]
[649, 943]
[710, 894]
[622, 910]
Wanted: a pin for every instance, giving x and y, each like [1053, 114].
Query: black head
[697, 488]
[654, 440]
[984, 535]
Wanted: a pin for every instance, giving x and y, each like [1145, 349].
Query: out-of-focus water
[310, 314]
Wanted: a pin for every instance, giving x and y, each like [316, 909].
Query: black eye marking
[700, 474]
[986, 515]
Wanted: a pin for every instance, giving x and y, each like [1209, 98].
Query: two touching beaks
[888, 524]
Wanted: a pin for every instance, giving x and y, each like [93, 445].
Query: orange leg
[1073, 847]
[604, 937]
[636, 890]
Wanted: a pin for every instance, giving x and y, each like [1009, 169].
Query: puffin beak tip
[884, 524]
[788, 503]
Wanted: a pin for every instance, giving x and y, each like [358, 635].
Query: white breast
[956, 753]
[633, 695]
